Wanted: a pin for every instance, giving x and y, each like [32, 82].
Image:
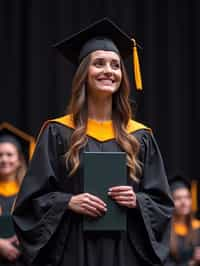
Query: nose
[3, 158]
[108, 69]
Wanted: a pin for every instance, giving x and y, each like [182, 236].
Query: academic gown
[185, 250]
[8, 192]
[51, 234]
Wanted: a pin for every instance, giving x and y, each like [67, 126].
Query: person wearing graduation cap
[185, 230]
[12, 170]
[49, 210]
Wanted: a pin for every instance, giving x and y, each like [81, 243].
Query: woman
[51, 205]
[185, 232]
[12, 169]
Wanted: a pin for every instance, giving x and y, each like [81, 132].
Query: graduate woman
[49, 211]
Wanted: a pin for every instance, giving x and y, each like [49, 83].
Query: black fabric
[185, 251]
[6, 204]
[51, 234]
[103, 34]
[99, 43]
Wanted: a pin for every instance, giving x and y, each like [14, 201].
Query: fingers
[123, 195]
[124, 198]
[93, 205]
[120, 188]
[13, 255]
[13, 239]
[90, 210]
[87, 204]
[95, 199]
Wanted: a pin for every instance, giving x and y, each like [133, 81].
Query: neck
[100, 109]
[8, 178]
[181, 219]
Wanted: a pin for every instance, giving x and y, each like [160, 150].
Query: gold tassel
[136, 67]
[194, 195]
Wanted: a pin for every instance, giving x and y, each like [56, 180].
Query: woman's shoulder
[195, 224]
[56, 127]
[139, 130]
[60, 123]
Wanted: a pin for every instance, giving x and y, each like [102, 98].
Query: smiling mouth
[106, 81]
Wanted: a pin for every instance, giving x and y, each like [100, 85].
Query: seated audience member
[185, 230]
[12, 170]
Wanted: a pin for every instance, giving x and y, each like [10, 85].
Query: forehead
[181, 192]
[7, 146]
[105, 54]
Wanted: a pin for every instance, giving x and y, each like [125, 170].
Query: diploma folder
[103, 170]
[6, 226]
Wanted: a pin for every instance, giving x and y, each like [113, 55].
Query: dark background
[35, 81]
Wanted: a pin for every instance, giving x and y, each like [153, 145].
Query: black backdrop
[35, 80]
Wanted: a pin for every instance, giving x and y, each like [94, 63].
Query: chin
[6, 173]
[110, 90]
[184, 213]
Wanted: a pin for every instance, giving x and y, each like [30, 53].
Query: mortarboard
[24, 142]
[179, 181]
[101, 35]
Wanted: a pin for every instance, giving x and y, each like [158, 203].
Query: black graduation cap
[179, 181]
[24, 142]
[104, 35]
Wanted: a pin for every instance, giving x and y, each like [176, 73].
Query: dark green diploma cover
[6, 226]
[103, 170]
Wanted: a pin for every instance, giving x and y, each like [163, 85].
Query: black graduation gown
[6, 203]
[185, 250]
[51, 234]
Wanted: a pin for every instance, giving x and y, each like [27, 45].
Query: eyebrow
[103, 58]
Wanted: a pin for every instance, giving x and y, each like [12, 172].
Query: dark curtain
[35, 81]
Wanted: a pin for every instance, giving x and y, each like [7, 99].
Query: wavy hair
[191, 238]
[121, 113]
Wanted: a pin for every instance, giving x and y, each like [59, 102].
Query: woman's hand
[123, 195]
[8, 249]
[196, 255]
[87, 204]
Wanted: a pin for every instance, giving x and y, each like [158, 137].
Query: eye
[115, 65]
[9, 154]
[98, 63]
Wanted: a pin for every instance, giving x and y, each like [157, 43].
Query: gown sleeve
[155, 205]
[41, 204]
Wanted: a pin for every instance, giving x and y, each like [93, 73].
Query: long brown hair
[190, 238]
[21, 171]
[121, 113]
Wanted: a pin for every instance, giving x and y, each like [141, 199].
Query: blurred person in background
[12, 170]
[185, 230]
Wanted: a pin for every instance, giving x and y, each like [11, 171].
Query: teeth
[106, 80]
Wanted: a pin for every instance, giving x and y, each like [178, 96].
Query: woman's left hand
[123, 195]
[196, 255]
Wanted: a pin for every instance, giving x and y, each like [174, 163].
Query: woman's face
[9, 159]
[182, 201]
[104, 72]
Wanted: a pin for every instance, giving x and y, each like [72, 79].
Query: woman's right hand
[8, 249]
[87, 204]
